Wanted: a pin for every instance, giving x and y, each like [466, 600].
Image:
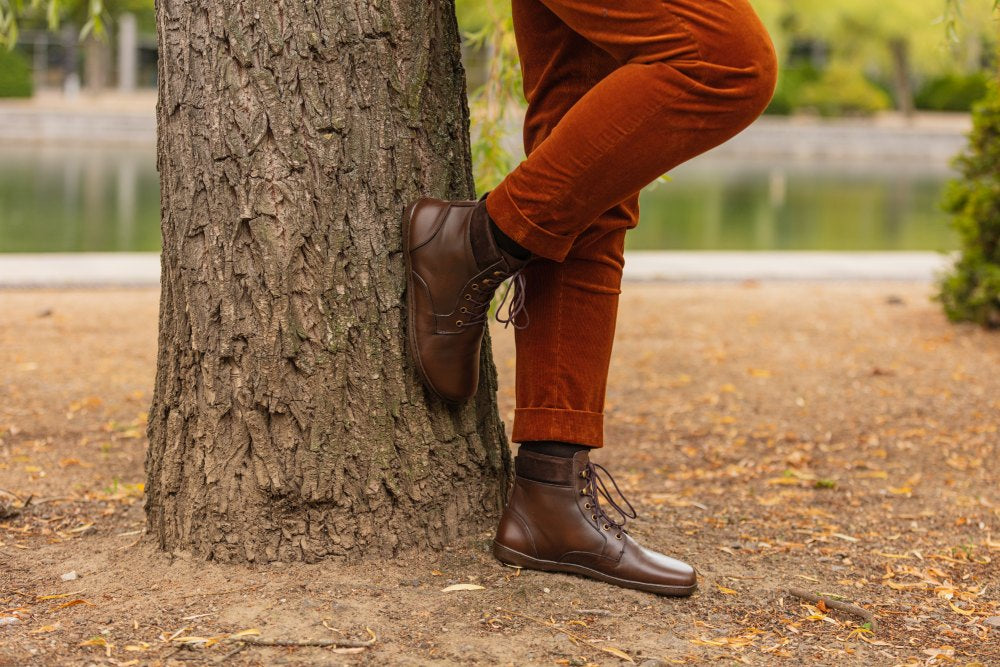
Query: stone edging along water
[927, 137]
[57, 270]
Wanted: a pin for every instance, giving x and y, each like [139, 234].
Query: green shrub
[843, 90]
[789, 89]
[953, 92]
[971, 291]
[15, 74]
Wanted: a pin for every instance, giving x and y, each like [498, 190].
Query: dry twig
[12, 495]
[845, 607]
[229, 655]
[338, 643]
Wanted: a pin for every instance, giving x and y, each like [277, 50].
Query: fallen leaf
[847, 538]
[617, 653]
[43, 629]
[71, 603]
[959, 610]
[462, 587]
[246, 633]
[99, 641]
[57, 596]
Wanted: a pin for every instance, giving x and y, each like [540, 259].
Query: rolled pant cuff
[508, 217]
[576, 426]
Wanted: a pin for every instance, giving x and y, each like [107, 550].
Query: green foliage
[15, 75]
[952, 92]
[489, 26]
[788, 93]
[971, 291]
[843, 90]
[937, 31]
[93, 15]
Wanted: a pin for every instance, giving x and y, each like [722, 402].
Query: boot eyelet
[583, 492]
[607, 527]
[468, 297]
[458, 323]
[587, 506]
[583, 473]
[475, 286]
[498, 273]
[618, 536]
[594, 517]
[464, 309]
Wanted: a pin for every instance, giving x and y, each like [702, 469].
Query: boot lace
[596, 488]
[515, 307]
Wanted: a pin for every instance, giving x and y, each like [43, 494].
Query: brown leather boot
[453, 268]
[555, 521]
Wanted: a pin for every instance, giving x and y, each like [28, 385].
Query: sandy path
[841, 438]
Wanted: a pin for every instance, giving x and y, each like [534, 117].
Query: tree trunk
[96, 66]
[900, 49]
[287, 422]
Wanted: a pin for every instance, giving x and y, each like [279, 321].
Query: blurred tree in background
[890, 44]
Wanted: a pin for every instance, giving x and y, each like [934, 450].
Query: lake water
[86, 200]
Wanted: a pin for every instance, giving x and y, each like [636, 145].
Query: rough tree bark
[287, 422]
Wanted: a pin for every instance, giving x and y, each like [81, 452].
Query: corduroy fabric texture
[618, 94]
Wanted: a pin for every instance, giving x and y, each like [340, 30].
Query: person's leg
[563, 356]
[559, 517]
[692, 74]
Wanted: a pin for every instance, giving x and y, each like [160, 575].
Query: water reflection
[725, 205]
[56, 199]
[78, 199]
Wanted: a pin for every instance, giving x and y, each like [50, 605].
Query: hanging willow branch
[14, 11]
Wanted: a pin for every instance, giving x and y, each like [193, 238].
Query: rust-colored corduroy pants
[619, 92]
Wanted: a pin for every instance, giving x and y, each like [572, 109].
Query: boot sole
[411, 335]
[509, 556]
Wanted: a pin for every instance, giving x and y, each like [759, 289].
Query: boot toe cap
[661, 570]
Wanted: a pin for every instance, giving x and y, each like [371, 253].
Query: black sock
[552, 448]
[507, 243]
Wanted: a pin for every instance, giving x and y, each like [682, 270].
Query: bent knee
[753, 50]
[763, 65]
[733, 57]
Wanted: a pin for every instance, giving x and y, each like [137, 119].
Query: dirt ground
[839, 439]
